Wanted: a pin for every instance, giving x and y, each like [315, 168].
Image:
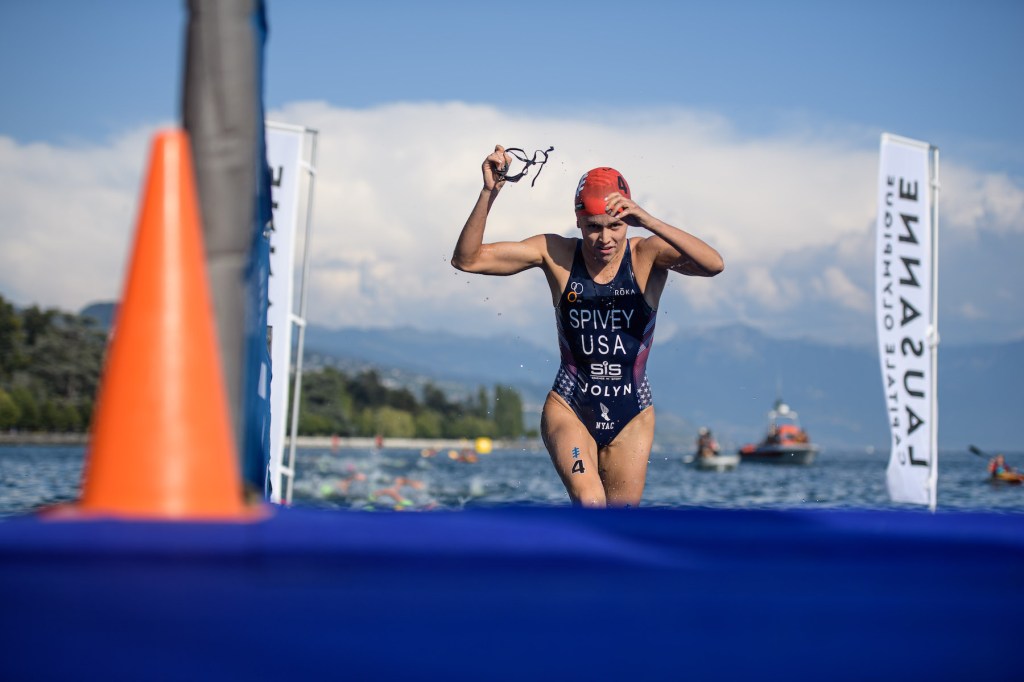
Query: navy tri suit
[605, 333]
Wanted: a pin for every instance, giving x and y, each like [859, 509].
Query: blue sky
[709, 109]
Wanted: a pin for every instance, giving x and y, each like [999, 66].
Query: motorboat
[709, 457]
[716, 462]
[786, 441]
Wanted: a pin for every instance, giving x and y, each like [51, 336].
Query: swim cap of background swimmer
[594, 186]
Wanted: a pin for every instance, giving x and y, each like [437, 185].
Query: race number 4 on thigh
[573, 453]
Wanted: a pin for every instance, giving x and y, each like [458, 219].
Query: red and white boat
[786, 441]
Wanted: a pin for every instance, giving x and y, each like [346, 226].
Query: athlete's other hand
[496, 162]
[626, 210]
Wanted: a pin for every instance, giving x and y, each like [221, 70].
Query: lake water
[34, 476]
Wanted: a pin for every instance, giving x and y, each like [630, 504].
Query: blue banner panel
[518, 594]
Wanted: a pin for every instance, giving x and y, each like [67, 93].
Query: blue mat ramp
[518, 593]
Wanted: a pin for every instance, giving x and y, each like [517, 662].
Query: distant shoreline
[321, 442]
[364, 442]
[43, 438]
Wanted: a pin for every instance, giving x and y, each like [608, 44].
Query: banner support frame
[933, 332]
[283, 483]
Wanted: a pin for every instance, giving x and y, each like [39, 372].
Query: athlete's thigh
[623, 462]
[573, 452]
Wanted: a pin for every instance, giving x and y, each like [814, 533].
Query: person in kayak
[598, 420]
[997, 466]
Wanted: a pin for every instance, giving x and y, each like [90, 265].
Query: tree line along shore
[51, 362]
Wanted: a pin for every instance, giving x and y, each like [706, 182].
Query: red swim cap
[594, 186]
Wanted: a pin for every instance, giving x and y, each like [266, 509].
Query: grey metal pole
[221, 112]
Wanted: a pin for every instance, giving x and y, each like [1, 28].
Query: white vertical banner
[905, 294]
[284, 154]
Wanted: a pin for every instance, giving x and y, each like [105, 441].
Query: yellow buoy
[484, 446]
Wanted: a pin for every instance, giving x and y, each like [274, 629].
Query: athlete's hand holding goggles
[517, 164]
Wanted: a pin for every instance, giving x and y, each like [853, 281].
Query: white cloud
[970, 201]
[971, 312]
[395, 184]
[66, 216]
[835, 286]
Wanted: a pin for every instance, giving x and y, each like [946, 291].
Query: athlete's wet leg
[622, 464]
[573, 452]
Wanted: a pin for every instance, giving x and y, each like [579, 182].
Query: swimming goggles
[519, 166]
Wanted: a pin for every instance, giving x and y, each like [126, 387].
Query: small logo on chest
[575, 292]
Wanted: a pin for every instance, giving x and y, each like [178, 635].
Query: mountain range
[725, 378]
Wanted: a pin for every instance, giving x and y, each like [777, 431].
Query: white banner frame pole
[933, 333]
[300, 320]
[283, 238]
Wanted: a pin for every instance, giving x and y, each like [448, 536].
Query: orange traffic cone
[161, 444]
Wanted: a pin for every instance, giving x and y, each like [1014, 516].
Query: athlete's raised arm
[499, 258]
[670, 248]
